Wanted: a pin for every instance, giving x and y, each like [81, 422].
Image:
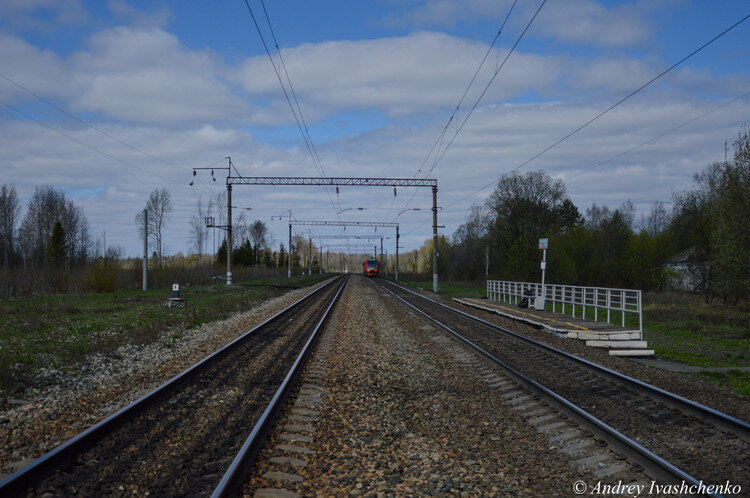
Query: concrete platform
[632, 353]
[619, 340]
[618, 344]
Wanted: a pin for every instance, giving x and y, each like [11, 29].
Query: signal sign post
[539, 300]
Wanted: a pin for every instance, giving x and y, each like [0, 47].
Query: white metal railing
[598, 298]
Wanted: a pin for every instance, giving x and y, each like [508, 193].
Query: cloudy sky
[109, 100]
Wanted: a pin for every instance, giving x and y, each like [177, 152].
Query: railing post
[573, 300]
[596, 305]
[640, 315]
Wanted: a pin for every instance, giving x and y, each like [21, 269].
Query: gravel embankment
[34, 426]
[689, 443]
[401, 416]
[685, 385]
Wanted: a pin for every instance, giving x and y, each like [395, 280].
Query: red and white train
[371, 267]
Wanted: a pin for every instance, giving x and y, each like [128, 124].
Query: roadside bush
[101, 276]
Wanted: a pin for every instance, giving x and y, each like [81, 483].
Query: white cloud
[400, 76]
[147, 76]
[144, 86]
[446, 13]
[589, 22]
[42, 70]
[573, 21]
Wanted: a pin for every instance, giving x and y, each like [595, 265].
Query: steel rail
[658, 467]
[720, 419]
[21, 480]
[252, 446]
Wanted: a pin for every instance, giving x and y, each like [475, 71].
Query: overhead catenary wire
[439, 140]
[602, 113]
[479, 99]
[291, 88]
[90, 125]
[440, 154]
[661, 135]
[636, 147]
[297, 118]
[90, 147]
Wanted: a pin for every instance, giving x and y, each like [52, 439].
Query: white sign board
[543, 243]
[175, 287]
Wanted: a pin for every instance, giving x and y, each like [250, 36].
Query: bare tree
[657, 220]
[198, 230]
[627, 209]
[220, 202]
[10, 209]
[240, 229]
[158, 207]
[258, 232]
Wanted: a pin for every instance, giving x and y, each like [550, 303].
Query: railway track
[198, 432]
[674, 439]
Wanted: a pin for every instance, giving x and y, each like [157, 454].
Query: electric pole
[145, 249]
[229, 234]
[397, 237]
[435, 254]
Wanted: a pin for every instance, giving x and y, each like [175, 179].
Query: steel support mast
[435, 254]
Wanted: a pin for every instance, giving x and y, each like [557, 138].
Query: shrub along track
[182, 442]
[697, 447]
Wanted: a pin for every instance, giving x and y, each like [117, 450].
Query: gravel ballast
[31, 427]
[400, 415]
[391, 408]
[683, 384]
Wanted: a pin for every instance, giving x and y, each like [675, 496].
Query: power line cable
[439, 155]
[306, 132]
[631, 94]
[438, 141]
[471, 111]
[89, 125]
[286, 96]
[661, 135]
[642, 144]
[27, 116]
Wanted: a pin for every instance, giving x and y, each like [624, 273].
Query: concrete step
[604, 336]
[618, 344]
[631, 352]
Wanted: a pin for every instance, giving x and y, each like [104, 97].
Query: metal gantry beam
[341, 223]
[347, 236]
[331, 181]
[347, 246]
[338, 181]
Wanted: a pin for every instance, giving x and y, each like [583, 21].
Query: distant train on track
[371, 267]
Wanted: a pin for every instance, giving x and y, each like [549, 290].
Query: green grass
[735, 379]
[447, 289]
[62, 330]
[684, 328]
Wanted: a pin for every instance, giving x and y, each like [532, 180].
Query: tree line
[54, 232]
[705, 235]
